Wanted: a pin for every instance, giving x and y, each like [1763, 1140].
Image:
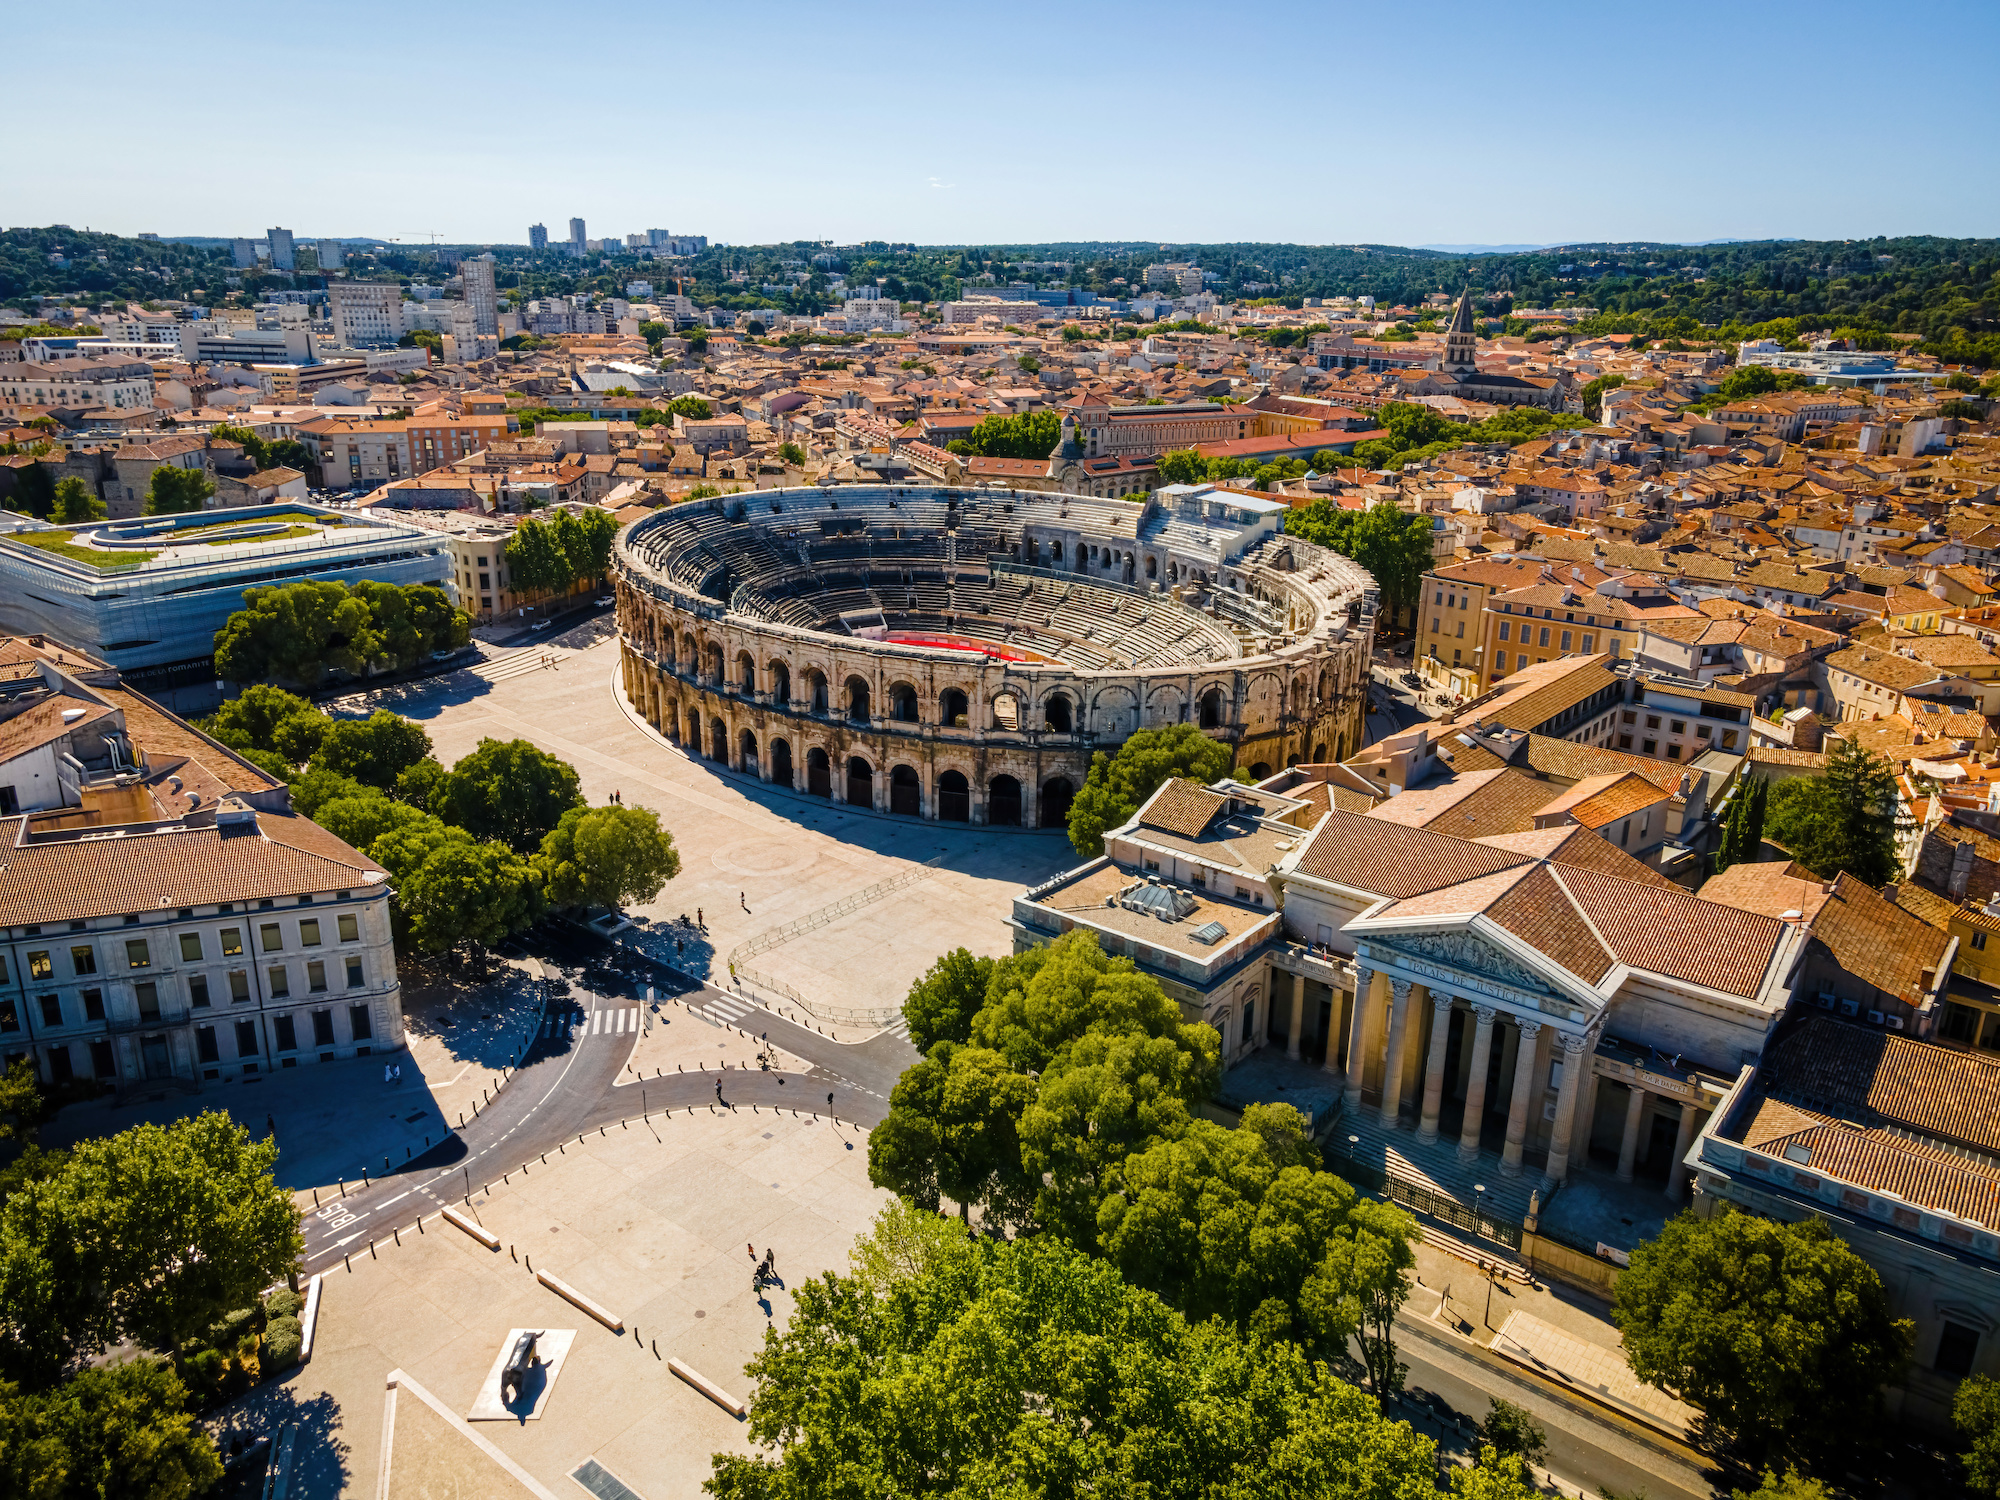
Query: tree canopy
[1779, 1333]
[510, 791]
[149, 1235]
[1119, 782]
[1975, 1411]
[173, 490]
[554, 556]
[1393, 545]
[1032, 434]
[375, 751]
[298, 632]
[1840, 820]
[943, 1367]
[941, 1004]
[607, 856]
[75, 505]
[123, 1430]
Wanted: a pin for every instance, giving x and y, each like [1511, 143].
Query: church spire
[1461, 318]
[1461, 343]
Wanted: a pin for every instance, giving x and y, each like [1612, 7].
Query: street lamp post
[1479, 1209]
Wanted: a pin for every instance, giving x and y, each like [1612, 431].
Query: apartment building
[164, 914]
[480, 296]
[365, 313]
[1522, 627]
[371, 452]
[109, 380]
[1451, 625]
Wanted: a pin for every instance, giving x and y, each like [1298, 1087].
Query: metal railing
[764, 942]
[1427, 1201]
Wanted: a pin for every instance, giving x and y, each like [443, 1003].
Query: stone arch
[712, 662]
[690, 657]
[902, 702]
[746, 673]
[718, 741]
[1003, 802]
[1005, 707]
[906, 792]
[952, 708]
[1058, 714]
[1055, 551]
[1057, 794]
[817, 697]
[855, 699]
[954, 798]
[746, 750]
[1319, 754]
[1260, 770]
[860, 782]
[1165, 705]
[819, 773]
[1113, 712]
[779, 675]
[1214, 708]
[1152, 566]
[781, 762]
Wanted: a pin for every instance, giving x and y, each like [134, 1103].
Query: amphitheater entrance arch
[1006, 711]
[1260, 770]
[746, 673]
[951, 709]
[693, 738]
[1057, 794]
[1212, 708]
[857, 700]
[781, 762]
[816, 689]
[903, 703]
[1319, 755]
[954, 798]
[712, 660]
[781, 683]
[860, 782]
[906, 792]
[1003, 802]
[1056, 715]
[819, 773]
[718, 741]
[746, 746]
[670, 719]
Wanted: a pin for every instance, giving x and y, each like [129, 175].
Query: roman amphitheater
[959, 654]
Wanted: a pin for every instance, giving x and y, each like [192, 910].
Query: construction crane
[432, 235]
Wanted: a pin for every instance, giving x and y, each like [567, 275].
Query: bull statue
[520, 1359]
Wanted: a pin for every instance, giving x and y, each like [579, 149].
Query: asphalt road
[566, 1087]
[1587, 1445]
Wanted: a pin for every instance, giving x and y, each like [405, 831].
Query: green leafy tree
[1361, 1283]
[317, 787]
[1118, 783]
[297, 633]
[361, 820]
[263, 717]
[952, 1130]
[148, 1235]
[510, 791]
[412, 620]
[692, 407]
[1975, 1411]
[941, 1005]
[173, 490]
[1842, 819]
[793, 454]
[1512, 1429]
[1030, 435]
[402, 846]
[536, 560]
[270, 762]
[24, 1109]
[75, 505]
[1955, 411]
[375, 751]
[467, 892]
[607, 856]
[1791, 1485]
[417, 784]
[585, 541]
[1594, 393]
[1040, 1001]
[1026, 1369]
[122, 1430]
[1779, 1333]
[1181, 466]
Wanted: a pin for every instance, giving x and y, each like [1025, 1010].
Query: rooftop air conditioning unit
[1874, 1018]
[1850, 1007]
[1894, 1023]
[1825, 1000]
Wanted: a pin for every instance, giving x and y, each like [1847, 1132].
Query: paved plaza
[753, 857]
[653, 1222]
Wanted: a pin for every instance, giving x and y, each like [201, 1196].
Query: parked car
[607, 601]
[541, 625]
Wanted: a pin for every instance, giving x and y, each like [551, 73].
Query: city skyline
[1376, 139]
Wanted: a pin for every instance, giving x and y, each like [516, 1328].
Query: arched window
[1006, 711]
[954, 798]
[1003, 802]
[1056, 713]
[781, 683]
[951, 708]
[816, 689]
[746, 672]
[857, 700]
[1211, 709]
[903, 703]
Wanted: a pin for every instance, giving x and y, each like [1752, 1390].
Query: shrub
[283, 1303]
[229, 1331]
[204, 1375]
[281, 1343]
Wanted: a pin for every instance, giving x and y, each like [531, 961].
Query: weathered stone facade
[1198, 611]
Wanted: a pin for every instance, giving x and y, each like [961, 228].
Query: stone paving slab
[654, 1221]
[1590, 1367]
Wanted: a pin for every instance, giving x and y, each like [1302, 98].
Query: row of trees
[946, 1366]
[1033, 434]
[475, 852]
[554, 556]
[1415, 434]
[1190, 466]
[299, 632]
[1061, 1088]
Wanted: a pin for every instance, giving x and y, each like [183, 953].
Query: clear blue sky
[1291, 120]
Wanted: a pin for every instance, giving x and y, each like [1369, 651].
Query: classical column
[1628, 1144]
[1575, 1061]
[1296, 1025]
[1683, 1138]
[1399, 1036]
[1427, 1123]
[1332, 1062]
[1517, 1107]
[1357, 1035]
[1475, 1084]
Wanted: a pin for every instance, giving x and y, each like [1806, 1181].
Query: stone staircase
[1399, 1154]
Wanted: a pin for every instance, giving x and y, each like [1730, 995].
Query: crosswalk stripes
[612, 1020]
[727, 1009]
[500, 667]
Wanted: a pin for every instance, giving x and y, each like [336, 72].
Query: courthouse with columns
[1531, 996]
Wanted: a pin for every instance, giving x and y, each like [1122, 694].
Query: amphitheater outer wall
[779, 702]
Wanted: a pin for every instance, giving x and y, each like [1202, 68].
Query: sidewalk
[1552, 1330]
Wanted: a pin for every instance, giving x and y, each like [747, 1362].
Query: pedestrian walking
[388, 1074]
[743, 898]
[699, 920]
[751, 1250]
[399, 1073]
[771, 1261]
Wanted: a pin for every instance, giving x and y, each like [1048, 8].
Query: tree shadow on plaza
[320, 1455]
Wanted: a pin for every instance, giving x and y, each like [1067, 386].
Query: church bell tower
[1461, 344]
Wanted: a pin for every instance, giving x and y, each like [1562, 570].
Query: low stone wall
[1558, 1262]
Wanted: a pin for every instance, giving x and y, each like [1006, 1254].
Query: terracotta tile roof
[1628, 794]
[1926, 906]
[43, 722]
[1182, 806]
[1773, 887]
[1875, 1159]
[1568, 844]
[1877, 941]
[1497, 801]
[1541, 912]
[1941, 1091]
[72, 880]
[1670, 932]
[1369, 855]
